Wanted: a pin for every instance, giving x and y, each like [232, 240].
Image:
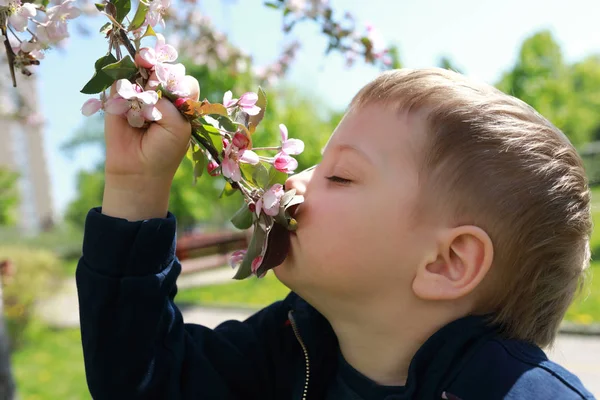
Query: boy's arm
[135, 343]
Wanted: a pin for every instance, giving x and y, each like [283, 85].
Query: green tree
[9, 199]
[568, 95]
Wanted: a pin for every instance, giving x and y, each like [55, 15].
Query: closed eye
[337, 179]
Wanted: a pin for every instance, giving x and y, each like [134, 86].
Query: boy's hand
[141, 163]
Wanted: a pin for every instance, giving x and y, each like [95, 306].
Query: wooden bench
[202, 251]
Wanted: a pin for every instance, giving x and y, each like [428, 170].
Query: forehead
[385, 134]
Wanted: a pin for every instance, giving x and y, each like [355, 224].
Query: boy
[441, 240]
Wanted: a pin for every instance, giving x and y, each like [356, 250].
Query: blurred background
[311, 56]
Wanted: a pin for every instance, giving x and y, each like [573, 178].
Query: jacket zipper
[305, 350]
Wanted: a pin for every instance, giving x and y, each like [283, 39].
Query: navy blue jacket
[136, 345]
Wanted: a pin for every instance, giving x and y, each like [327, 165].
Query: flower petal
[166, 53]
[178, 70]
[248, 99]
[230, 169]
[149, 56]
[259, 207]
[117, 106]
[18, 22]
[256, 264]
[28, 10]
[162, 72]
[126, 89]
[293, 146]
[249, 157]
[148, 97]
[91, 107]
[160, 40]
[284, 132]
[227, 97]
[151, 113]
[251, 110]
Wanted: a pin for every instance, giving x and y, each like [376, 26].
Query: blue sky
[482, 38]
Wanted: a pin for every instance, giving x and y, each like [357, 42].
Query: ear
[464, 257]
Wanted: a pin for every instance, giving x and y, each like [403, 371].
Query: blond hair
[502, 166]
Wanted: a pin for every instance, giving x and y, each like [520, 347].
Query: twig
[14, 34]
[10, 55]
[126, 42]
[200, 140]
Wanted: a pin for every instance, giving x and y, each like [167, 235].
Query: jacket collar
[432, 369]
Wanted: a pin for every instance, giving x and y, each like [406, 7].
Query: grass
[247, 293]
[50, 365]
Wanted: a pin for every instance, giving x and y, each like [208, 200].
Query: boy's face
[358, 238]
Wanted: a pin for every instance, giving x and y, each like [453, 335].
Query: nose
[300, 180]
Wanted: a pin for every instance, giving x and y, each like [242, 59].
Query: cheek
[340, 228]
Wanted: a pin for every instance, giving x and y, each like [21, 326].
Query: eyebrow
[348, 147]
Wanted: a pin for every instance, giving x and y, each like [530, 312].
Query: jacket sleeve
[135, 343]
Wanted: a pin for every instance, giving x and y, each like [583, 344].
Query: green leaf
[123, 69]
[247, 171]
[271, 5]
[276, 176]
[139, 18]
[123, 7]
[262, 103]
[215, 139]
[228, 190]
[243, 218]
[100, 81]
[149, 32]
[210, 129]
[259, 238]
[191, 150]
[199, 165]
[105, 28]
[227, 123]
[100, 6]
[260, 175]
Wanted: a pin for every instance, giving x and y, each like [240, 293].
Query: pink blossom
[284, 163]
[228, 100]
[172, 76]
[91, 107]
[156, 10]
[211, 167]
[52, 32]
[64, 11]
[33, 48]
[247, 102]
[236, 258]
[233, 156]
[161, 53]
[133, 102]
[256, 264]
[240, 141]
[269, 202]
[20, 18]
[290, 146]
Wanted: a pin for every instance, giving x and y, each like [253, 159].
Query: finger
[153, 82]
[113, 89]
[172, 120]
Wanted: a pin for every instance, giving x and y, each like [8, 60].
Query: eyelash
[337, 179]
